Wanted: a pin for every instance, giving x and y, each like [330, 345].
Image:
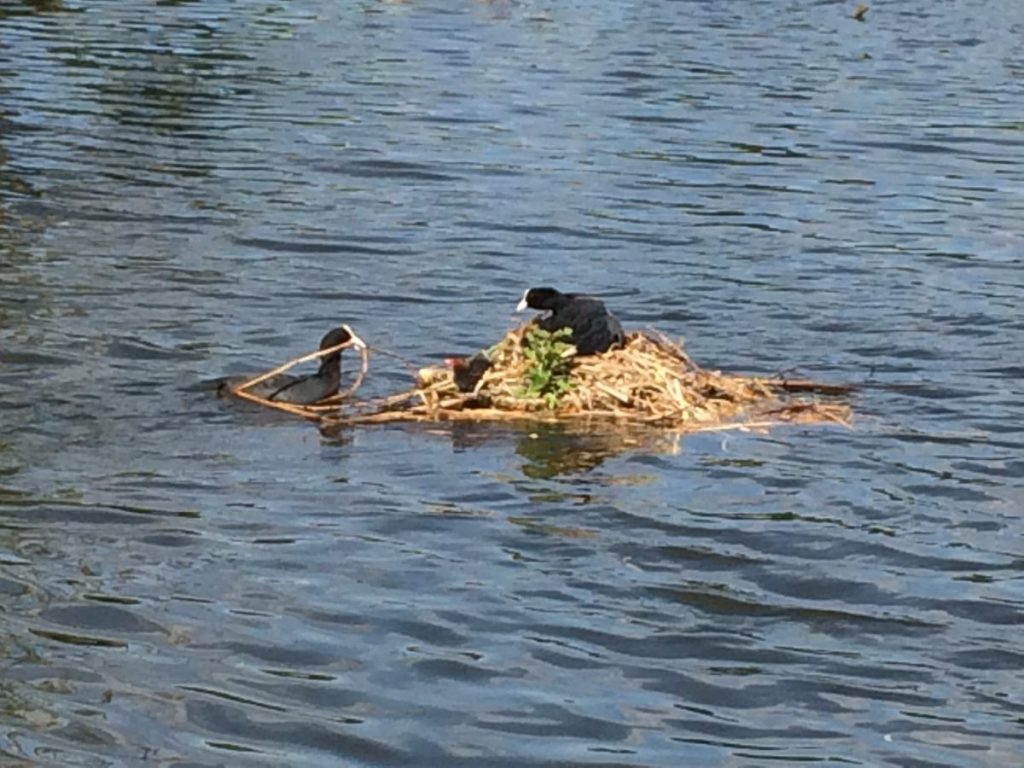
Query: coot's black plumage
[305, 390]
[594, 328]
[467, 371]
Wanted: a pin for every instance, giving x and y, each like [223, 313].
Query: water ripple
[191, 189]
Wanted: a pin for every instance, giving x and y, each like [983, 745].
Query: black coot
[467, 371]
[594, 328]
[305, 390]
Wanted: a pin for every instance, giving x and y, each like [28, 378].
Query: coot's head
[539, 298]
[342, 336]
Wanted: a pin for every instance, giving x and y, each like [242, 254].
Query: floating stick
[315, 410]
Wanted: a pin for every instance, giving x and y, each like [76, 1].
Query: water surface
[188, 189]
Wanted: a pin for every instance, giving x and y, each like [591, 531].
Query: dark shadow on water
[555, 450]
[549, 451]
[28, 7]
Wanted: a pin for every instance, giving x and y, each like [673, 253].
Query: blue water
[190, 189]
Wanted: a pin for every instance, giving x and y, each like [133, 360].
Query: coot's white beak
[522, 305]
[355, 341]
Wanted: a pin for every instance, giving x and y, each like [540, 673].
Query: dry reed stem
[331, 403]
[297, 410]
[315, 411]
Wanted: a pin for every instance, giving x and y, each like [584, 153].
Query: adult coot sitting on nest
[304, 390]
[594, 328]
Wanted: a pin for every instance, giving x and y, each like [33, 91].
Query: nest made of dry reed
[649, 380]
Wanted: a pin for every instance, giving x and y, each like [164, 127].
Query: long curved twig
[297, 410]
[290, 364]
[305, 411]
[330, 403]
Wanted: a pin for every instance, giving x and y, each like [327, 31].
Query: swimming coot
[594, 328]
[305, 390]
[467, 371]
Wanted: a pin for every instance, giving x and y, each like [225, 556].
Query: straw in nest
[650, 380]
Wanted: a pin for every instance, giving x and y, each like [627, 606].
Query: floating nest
[650, 381]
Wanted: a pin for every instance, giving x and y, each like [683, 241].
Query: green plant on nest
[549, 360]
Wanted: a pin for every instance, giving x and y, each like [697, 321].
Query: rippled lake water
[189, 189]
